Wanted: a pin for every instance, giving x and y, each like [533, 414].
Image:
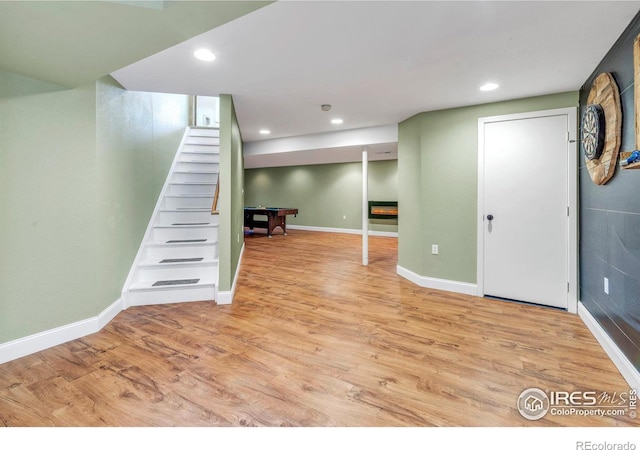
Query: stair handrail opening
[214, 206]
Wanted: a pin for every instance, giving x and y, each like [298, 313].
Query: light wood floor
[313, 338]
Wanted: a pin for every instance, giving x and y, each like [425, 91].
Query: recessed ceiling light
[264, 131]
[204, 55]
[489, 87]
[337, 121]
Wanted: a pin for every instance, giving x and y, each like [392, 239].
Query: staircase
[178, 258]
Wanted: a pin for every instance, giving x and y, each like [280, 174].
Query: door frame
[572, 192]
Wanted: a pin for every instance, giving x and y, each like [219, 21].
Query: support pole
[365, 206]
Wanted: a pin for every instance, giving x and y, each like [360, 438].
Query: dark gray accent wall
[610, 219]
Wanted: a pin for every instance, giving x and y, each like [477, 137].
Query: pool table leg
[275, 222]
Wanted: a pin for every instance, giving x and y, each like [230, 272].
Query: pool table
[276, 217]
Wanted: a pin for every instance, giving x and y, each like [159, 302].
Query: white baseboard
[627, 370]
[226, 297]
[342, 230]
[110, 313]
[56, 336]
[438, 283]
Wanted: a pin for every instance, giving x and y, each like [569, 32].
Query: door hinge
[568, 290]
[568, 212]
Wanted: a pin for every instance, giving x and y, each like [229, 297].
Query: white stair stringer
[178, 258]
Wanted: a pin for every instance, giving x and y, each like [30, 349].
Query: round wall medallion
[593, 124]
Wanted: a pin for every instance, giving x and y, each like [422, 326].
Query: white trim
[480, 213]
[365, 206]
[226, 297]
[437, 283]
[573, 188]
[342, 230]
[626, 368]
[572, 192]
[110, 313]
[41, 341]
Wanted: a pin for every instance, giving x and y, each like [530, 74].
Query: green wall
[137, 137]
[230, 198]
[47, 206]
[80, 172]
[325, 193]
[437, 188]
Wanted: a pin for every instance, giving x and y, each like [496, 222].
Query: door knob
[490, 217]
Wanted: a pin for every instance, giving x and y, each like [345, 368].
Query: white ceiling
[380, 62]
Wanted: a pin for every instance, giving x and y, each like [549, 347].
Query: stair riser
[169, 218]
[194, 177]
[206, 273]
[200, 189]
[187, 202]
[210, 132]
[166, 234]
[200, 157]
[139, 298]
[205, 141]
[209, 150]
[157, 254]
[184, 166]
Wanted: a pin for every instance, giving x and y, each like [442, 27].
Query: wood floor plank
[314, 339]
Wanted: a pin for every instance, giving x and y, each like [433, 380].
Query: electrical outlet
[434, 249]
[238, 238]
[606, 285]
[344, 217]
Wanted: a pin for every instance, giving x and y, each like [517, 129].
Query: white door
[525, 210]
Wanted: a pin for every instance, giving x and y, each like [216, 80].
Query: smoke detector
[326, 107]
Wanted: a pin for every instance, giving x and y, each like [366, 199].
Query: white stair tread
[201, 152]
[160, 265]
[185, 209]
[195, 242]
[187, 225]
[148, 285]
[197, 172]
[195, 161]
[189, 196]
[192, 183]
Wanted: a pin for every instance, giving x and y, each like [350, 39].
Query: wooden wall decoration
[636, 102]
[604, 92]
